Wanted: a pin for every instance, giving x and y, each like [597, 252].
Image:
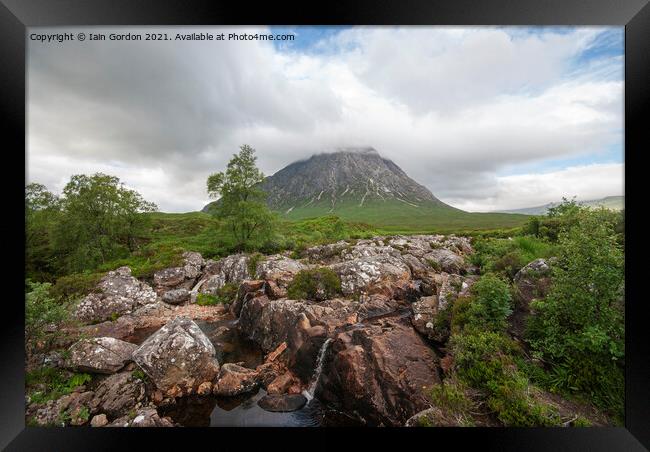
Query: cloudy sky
[487, 118]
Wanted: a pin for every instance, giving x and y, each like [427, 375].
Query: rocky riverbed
[366, 357]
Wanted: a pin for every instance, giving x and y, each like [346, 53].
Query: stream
[243, 410]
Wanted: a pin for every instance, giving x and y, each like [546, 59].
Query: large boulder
[279, 268]
[234, 380]
[178, 357]
[105, 355]
[378, 273]
[381, 371]
[118, 394]
[176, 296]
[116, 294]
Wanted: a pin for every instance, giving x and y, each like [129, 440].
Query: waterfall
[309, 393]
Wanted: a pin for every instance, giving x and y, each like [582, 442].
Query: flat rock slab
[282, 403]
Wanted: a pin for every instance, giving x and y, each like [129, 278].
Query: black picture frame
[16, 15]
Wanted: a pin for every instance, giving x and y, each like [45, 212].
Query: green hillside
[393, 215]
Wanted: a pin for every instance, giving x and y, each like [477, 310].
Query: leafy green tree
[100, 220]
[241, 203]
[42, 210]
[579, 326]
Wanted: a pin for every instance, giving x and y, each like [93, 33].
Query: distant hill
[610, 202]
[358, 184]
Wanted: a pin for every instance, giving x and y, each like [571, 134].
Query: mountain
[610, 202]
[358, 184]
[351, 177]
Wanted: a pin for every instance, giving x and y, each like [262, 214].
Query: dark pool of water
[242, 411]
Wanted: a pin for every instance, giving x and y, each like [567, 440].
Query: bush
[316, 284]
[41, 311]
[253, 260]
[484, 361]
[492, 304]
[579, 327]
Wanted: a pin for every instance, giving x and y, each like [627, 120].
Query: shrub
[41, 310]
[75, 285]
[53, 383]
[484, 361]
[225, 294]
[579, 327]
[492, 303]
[315, 284]
[253, 260]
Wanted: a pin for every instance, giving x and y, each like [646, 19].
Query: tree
[42, 210]
[100, 220]
[241, 203]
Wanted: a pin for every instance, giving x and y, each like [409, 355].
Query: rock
[273, 291]
[532, 282]
[144, 417]
[69, 406]
[193, 264]
[247, 289]
[381, 371]
[424, 315]
[176, 296]
[451, 287]
[169, 277]
[235, 380]
[282, 383]
[279, 268]
[178, 357]
[117, 293]
[99, 421]
[445, 260]
[432, 417]
[366, 273]
[282, 403]
[205, 388]
[277, 352]
[122, 328]
[231, 269]
[105, 355]
[118, 394]
[271, 322]
[376, 305]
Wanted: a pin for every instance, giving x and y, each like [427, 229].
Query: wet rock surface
[380, 371]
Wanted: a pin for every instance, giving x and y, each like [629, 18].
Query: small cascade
[309, 393]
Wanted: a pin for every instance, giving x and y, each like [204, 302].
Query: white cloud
[528, 190]
[451, 106]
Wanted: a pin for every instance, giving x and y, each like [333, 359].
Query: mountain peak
[344, 178]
